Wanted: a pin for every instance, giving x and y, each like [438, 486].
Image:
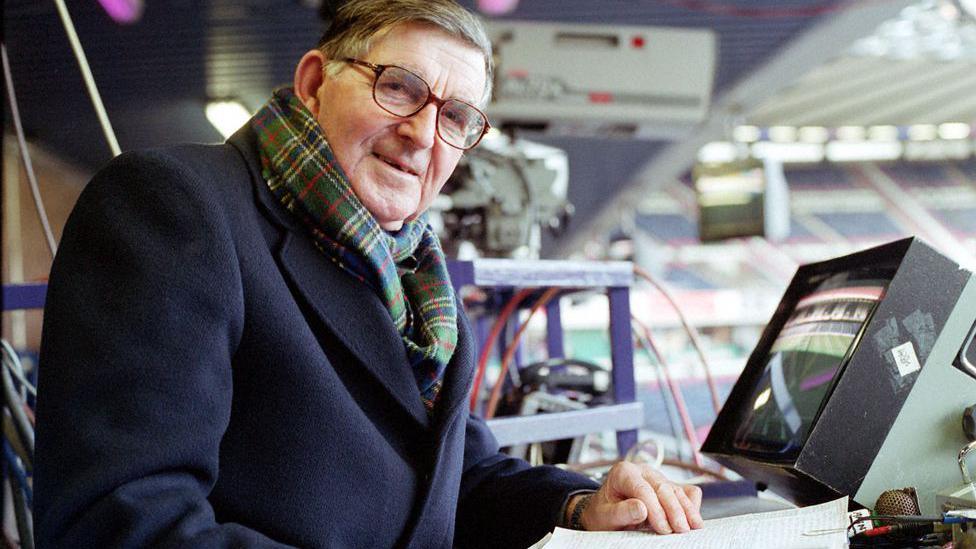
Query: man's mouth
[393, 162]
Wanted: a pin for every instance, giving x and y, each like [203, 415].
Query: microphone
[903, 501]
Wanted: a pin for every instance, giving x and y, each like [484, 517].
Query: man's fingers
[628, 482]
[690, 498]
[667, 496]
[652, 475]
[657, 517]
[640, 495]
[694, 493]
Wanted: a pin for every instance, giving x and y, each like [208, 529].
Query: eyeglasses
[402, 93]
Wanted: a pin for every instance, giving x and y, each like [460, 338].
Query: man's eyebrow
[410, 67]
[419, 72]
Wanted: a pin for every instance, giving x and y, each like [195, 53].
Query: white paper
[905, 359]
[787, 529]
[542, 542]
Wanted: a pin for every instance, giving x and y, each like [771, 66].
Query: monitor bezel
[811, 283]
[722, 433]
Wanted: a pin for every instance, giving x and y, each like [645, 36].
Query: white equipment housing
[625, 81]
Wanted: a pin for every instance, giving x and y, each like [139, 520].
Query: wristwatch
[575, 521]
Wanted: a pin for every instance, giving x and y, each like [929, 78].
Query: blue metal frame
[626, 416]
[622, 358]
[554, 330]
[24, 296]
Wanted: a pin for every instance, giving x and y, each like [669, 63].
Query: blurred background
[717, 144]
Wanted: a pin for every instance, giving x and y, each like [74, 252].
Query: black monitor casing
[876, 429]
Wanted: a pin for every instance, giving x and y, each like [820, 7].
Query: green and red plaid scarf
[407, 269]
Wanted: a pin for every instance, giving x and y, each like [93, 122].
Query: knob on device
[969, 423]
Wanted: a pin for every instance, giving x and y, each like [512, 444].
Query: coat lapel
[460, 371]
[349, 308]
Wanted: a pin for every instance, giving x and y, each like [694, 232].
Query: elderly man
[257, 344]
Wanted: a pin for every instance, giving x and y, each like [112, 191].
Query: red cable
[496, 391]
[879, 531]
[489, 343]
[692, 334]
[679, 400]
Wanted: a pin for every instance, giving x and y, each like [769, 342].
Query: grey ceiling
[862, 91]
[156, 75]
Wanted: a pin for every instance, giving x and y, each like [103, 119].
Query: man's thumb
[614, 516]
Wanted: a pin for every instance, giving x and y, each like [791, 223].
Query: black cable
[25, 154]
[22, 516]
[14, 404]
[13, 439]
[14, 467]
[12, 360]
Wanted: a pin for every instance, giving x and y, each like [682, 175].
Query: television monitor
[855, 386]
[741, 198]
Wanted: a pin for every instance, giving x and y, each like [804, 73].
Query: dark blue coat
[209, 379]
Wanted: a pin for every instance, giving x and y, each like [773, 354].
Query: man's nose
[421, 128]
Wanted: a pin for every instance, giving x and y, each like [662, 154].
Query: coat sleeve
[143, 314]
[505, 502]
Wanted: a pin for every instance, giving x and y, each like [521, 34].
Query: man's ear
[308, 80]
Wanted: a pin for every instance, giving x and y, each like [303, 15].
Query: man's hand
[636, 496]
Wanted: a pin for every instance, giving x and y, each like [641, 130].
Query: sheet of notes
[815, 527]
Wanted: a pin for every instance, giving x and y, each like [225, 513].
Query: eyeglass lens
[403, 93]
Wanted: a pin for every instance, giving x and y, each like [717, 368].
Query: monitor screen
[808, 353]
[851, 389]
[730, 200]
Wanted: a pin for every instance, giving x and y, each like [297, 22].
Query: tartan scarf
[406, 269]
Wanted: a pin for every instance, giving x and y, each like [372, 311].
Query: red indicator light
[637, 42]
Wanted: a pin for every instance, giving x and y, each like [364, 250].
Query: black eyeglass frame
[431, 98]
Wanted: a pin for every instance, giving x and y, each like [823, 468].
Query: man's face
[396, 166]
